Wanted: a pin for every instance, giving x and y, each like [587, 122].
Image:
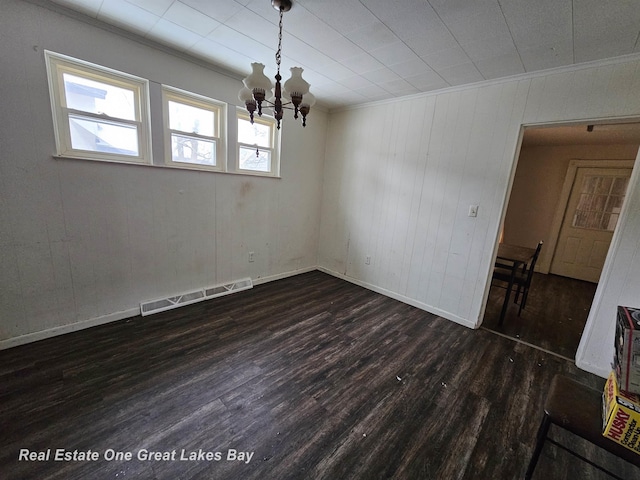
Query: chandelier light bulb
[257, 80]
[259, 84]
[309, 100]
[245, 95]
[296, 85]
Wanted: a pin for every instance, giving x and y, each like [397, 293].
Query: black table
[513, 257]
[576, 408]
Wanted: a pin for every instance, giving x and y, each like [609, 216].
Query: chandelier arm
[287, 105]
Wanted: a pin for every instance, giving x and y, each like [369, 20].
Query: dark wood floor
[315, 377]
[554, 317]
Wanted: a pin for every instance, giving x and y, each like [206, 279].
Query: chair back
[534, 259]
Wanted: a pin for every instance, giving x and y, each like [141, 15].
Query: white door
[590, 219]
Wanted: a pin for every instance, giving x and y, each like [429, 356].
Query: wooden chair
[521, 279]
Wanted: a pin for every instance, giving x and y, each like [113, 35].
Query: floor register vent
[163, 304]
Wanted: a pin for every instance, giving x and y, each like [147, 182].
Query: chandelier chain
[278, 52]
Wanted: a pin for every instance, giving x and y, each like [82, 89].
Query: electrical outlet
[473, 210]
[367, 260]
[251, 256]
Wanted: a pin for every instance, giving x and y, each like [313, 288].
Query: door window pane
[603, 185]
[619, 186]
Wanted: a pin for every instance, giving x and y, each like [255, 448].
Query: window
[103, 114]
[98, 113]
[194, 130]
[600, 202]
[258, 151]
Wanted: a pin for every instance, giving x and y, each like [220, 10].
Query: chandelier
[257, 88]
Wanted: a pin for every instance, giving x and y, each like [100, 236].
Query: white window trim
[219, 110]
[58, 64]
[275, 142]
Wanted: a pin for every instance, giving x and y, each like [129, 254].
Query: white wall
[84, 241]
[400, 176]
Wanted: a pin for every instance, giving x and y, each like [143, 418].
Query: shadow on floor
[554, 317]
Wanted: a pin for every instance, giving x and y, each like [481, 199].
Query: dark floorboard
[554, 317]
[315, 377]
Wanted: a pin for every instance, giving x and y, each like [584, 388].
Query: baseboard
[280, 276]
[591, 368]
[72, 327]
[114, 317]
[401, 298]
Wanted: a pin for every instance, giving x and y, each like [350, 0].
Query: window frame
[57, 65]
[219, 110]
[243, 114]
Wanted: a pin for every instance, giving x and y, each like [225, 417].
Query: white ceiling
[599, 134]
[356, 51]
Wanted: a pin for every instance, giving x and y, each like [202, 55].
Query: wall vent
[220, 290]
[169, 303]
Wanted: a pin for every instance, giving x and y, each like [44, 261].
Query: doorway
[558, 305]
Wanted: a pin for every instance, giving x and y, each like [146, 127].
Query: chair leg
[523, 300]
[523, 303]
[515, 300]
[540, 439]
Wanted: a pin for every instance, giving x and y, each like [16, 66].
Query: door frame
[556, 224]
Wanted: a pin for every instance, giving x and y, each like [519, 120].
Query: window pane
[609, 221]
[191, 119]
[593, 220]
[619, 186]
[579, 219]
[615, 204]
[585, 202]
[98, 136]
[604, 185]
[599, 203]
[97, 97]
[589, 184]
[186, 149]
[257, 163]
[256, 134]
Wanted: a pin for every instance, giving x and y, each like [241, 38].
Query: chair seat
[504, 275]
